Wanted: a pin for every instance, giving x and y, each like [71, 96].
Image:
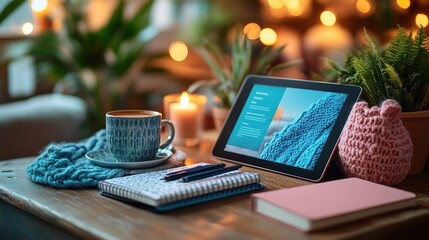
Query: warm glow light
[277, 4]
[421, 20]
[252, 30]
[297, 10]
[328, 18]
[278, 13]
[27, 28]
[268, 36]
[184, 99]
[39, 5]
[403, 3]
[363, 6]
[291, 3]
[178, 51]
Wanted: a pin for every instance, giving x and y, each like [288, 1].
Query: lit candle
[184, 116]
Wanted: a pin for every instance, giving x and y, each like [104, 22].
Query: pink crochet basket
[375, 145]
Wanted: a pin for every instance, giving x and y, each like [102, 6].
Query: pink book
[316, 206]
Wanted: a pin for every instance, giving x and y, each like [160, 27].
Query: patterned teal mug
[135, 135]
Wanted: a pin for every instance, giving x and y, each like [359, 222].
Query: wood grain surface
[84, 214]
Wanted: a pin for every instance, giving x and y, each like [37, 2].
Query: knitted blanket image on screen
[301, 141]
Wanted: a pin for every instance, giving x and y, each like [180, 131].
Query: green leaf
[214, 56]
[393, 76]
[397, 51]
[232, 71]
[367, 80]
[240, 60]
[285, 65]
[416, 47]
[108, 35]
[10, 9]
[423, 101]
[267, 58]
[139, 21]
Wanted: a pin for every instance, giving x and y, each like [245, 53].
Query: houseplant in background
[99, 65]
[398, 71]
[230, 69]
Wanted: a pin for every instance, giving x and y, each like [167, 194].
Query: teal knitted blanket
[64, 165]
[301, 141]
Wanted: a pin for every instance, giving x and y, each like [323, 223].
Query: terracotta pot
[417, 124]
[219, 116]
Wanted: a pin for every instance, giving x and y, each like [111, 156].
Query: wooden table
[30, 211]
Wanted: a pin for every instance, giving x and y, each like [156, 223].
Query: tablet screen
[287, 126]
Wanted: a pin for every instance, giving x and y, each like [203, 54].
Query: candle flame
[184, 99]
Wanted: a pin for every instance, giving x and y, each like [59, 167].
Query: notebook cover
[151, 189]
[326, 200]
[191, 201]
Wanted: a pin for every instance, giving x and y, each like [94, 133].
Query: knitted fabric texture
[65, 165]
[375, 145]
[301, 141]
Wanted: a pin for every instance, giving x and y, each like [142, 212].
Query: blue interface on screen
[285, 125]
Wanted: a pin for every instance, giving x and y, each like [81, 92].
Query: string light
[39, 5]
[268, 36]
[178, 51]
[328, 18]
[252, 30]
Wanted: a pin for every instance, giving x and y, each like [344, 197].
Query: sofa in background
[27, 126]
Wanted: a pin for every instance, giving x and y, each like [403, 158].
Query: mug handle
[171, 133]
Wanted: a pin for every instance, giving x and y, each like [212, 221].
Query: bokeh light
[39, 5]
[291, 3]
[363, 6]
[421, 20]
[328, 18]
[27, 28]
[277, 4]
[296, 10]
[403, 3]
[278, 13]
[252, 30]
[178, 51]
[268, 36]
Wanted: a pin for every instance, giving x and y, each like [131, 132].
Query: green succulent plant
[231, 69]
[399, 70]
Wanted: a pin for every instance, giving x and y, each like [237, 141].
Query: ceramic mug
[135, 135]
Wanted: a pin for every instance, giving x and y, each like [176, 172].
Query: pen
[182, 173]
[211, 173]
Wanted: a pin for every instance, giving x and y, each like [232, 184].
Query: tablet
[287, 126]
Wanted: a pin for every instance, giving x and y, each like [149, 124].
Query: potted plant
[99, 65]
[398, 71]
[231, 69]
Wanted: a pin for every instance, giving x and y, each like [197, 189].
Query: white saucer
[103, 158]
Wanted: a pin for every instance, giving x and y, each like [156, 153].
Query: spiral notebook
[152, 191]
